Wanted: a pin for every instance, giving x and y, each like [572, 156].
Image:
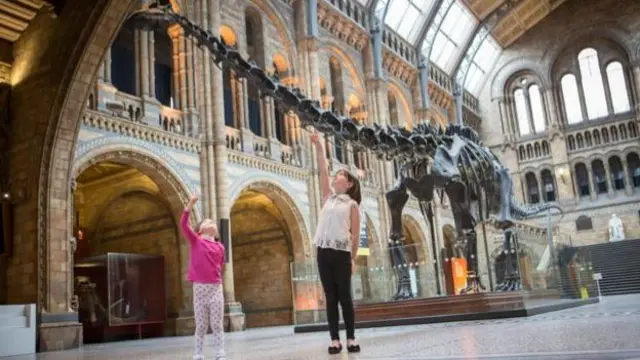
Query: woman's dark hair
[354, 191]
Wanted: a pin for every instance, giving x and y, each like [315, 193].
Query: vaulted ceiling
[524, 15]
[16, 15]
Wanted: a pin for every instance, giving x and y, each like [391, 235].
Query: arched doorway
[416, 256]
[523, 259]
[446, 254]
[266, 237]
[127, 259]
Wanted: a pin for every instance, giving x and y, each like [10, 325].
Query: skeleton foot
[510, 284]
[474, 286]
[404, 292]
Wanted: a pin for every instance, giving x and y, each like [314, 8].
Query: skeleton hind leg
[396, 200]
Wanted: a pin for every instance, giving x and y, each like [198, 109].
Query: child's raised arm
[186, 229]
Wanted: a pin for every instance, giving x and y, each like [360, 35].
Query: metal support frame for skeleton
[452, 160]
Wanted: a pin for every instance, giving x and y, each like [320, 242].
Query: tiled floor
[609, 330]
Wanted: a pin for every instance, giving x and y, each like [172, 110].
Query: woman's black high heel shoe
[335, 349]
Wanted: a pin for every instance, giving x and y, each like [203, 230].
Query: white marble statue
[616, 230]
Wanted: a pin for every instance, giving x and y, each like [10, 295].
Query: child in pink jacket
[206, 261]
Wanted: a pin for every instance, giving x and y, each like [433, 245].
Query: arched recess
[285, 34]
[447, 252]
[503, 75]
[405, 115]
[416, 254]
[267, 235]
[369, 281]
[95, 26]
[331, 48]
[162, 182]
[525, 257]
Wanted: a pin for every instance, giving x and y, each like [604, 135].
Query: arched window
[254, 42]
[614, 134]
[537, 109]
[580, 141]
[528, 104]
[617, 173]
[582, 179]
[548, 186]
[532, 188]
[572, 142]
[633, 130]
[599, 176]
[618, 88]
[571, 99]
[521, 112]
[596, 136]
[592, 85]
[633, 162]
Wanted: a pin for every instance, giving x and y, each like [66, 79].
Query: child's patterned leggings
[208, 308]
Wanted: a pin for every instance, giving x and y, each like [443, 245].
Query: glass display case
[116, 290]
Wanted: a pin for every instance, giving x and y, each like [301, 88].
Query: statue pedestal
[234, 319]
[57, 336]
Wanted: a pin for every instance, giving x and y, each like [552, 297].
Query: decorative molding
[146, 133]
[109, 148]
[266, 165]
[342, 27]
[399, 67]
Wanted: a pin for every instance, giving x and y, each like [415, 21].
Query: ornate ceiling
[518, 21]
[16, 15]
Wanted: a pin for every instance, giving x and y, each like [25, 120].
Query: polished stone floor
[608, 330]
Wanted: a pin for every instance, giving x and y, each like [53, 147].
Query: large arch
[406, 107]
[355, 73]
[281, 194]
[266, 238]
[505, 73]
[174, 192]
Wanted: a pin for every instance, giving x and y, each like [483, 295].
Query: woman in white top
[337, 237]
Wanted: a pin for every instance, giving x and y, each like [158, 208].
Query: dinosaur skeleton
[452, 161]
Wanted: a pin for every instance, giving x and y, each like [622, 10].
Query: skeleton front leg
[396, 200]
[511, 276]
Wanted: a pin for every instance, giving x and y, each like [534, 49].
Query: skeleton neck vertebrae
[451, 160]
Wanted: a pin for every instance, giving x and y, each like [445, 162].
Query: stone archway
[416, 253]
[156, 184]
[267, 236]
[525, 257]
[446, 253]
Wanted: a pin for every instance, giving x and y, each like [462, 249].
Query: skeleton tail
[523, 211]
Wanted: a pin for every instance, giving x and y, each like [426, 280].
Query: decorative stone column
[592, 188]
[146, 89]
[105, 90]
[628, 189]
[551, 107]
[636, 81]
[234, 317]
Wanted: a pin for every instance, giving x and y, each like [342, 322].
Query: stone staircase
[17, 330]
[619, 264]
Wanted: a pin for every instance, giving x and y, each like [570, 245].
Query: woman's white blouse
[334, 224]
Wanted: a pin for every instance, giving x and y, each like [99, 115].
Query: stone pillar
[275, 147]
[636, 82]
[152, 61]
[628, 189]
[609, 180]
[174, 34]
[551, 107]
[592, 188]
[106, 92]
[144, 60]
[234, 318]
